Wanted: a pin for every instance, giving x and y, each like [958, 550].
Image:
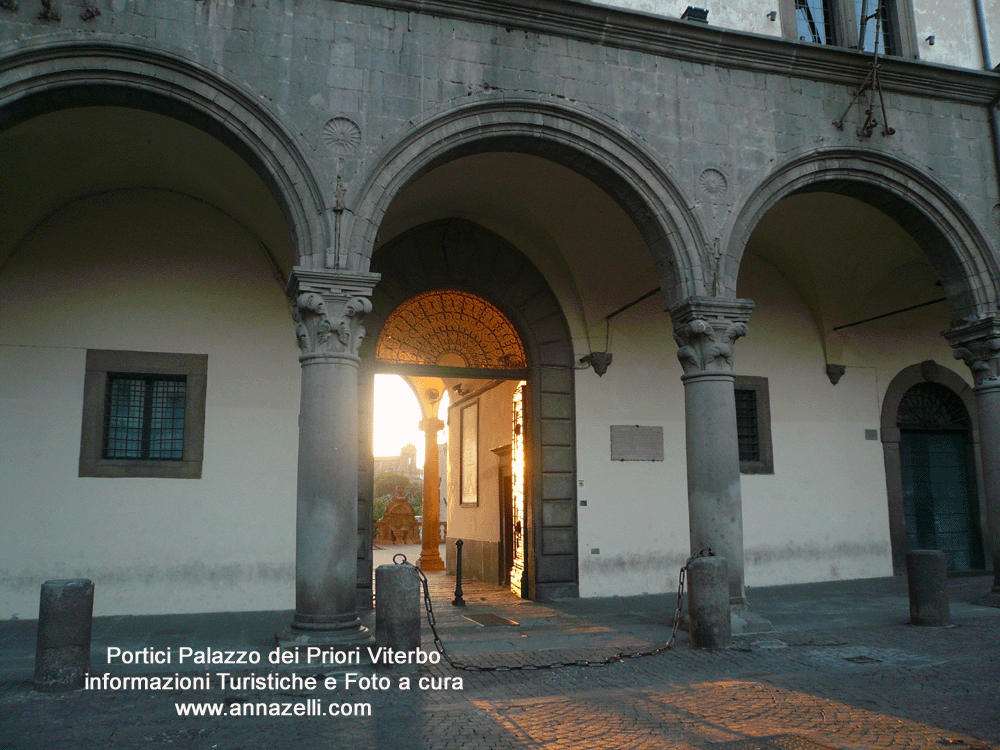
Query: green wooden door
[938, 496]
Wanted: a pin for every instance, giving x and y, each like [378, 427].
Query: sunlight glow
[397, 415]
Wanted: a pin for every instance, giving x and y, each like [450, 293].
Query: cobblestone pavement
[886, 685]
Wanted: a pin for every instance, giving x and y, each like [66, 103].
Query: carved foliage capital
[706, 346]
[329, 326]
[706, 330]
[978, 345]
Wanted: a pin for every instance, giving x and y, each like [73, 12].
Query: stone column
[978, 344]
[430, 555]
[328, 309]
[705, 329]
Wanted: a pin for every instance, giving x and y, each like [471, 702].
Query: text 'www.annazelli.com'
[310, 707]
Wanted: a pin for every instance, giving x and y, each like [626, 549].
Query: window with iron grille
[839, 22]
[143, 414]
[746, 425]
[814, 21]
[753, 425]
[144, 417]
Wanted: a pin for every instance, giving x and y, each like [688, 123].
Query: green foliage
[385, 488]
[386, 484]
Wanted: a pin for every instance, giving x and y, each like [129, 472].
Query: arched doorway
[929, 441]
[939, 493]
[474, 354]
[460, 304]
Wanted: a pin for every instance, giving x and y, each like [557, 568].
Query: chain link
[615, 658]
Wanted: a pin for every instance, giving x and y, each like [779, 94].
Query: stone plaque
[636, 443]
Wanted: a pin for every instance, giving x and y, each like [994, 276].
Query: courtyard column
[706, 329]
[978, 345]
[328, 308]
[430, 555]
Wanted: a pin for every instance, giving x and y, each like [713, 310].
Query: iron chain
[615, 658]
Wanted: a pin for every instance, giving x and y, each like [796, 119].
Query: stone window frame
[903, 31]
[102, 362]
[760, 387]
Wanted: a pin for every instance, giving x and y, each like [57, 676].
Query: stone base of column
[328, 632]
[430, 562]
[744, 620]
[992, 599]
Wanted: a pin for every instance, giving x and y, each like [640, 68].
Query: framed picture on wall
[470, 454]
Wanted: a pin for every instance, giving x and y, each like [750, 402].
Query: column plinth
[328, 310]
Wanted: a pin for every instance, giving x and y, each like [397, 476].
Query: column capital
[430, 424]
[706, 329]
[978, 345]
[328, 307]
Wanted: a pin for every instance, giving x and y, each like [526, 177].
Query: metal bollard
[927, 581]
[458, 601]
[397, 607]
[708, 602]
[65, 621]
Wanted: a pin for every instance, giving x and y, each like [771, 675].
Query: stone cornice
[710, 45]
[331, 284]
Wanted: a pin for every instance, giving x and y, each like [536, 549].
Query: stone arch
[925, 372]
[937, 221]
[50, 76]
[590, 144]
[461, 255]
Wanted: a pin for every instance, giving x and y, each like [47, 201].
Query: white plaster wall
[743, 15]
[955, 31]
[154, 271]
[822, 515]
[636, 512]
[480, 522]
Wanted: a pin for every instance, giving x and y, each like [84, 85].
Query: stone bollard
[927, 580]
[65, 619]
[708, 602]
[397, 607]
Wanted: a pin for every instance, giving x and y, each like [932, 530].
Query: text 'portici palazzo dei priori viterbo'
[722, 276]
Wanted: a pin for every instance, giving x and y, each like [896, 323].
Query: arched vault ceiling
[54, 159]
[847, 260]
[588, 250]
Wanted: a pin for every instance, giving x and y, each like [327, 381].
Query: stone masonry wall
[349, 79]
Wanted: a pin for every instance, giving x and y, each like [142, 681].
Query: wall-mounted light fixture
[772, 16]
[930, 40]
[600, 361]
[835, 373]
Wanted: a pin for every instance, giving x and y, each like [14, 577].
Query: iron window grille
[747, 433]
[753, 424]
[144, 417]
[814, 21]
[143, 414]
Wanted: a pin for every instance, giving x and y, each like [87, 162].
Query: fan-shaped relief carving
[931, 406]
[427, 328]
[342, 136]
[996, 215]
[713, 183]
